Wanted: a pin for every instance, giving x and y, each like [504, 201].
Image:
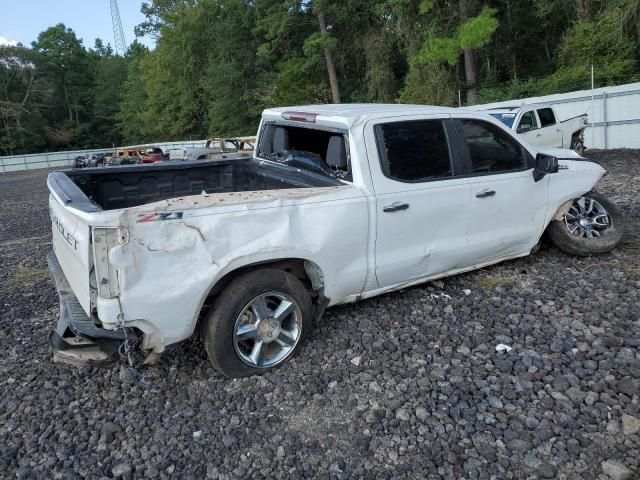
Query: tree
[130, 118]
[64, 60]
[21, 88]
[109, 73]
[327, 44]
[471, 34]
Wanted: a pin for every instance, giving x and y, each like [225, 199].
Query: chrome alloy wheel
[587, 218]
[267, 330]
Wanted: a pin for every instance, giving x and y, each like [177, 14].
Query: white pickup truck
[218, 148]
[338, 203]
[539, 125]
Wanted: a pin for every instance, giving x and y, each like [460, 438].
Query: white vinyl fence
[65, 159]
[614, 113]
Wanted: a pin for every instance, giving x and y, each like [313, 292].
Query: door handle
[485, 194]
[395, 207]
[538, 135]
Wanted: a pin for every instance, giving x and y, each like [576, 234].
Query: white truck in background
[215, 148]
[337, 203]
[539, 126]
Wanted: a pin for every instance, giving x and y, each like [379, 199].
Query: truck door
[508, 208]
[529, 129]
[422, 208]
[550, 130]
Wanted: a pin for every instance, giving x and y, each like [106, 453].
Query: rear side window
[491, 150]
[546, 117]
[414, 151]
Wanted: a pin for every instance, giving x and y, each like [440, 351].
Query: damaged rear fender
[308, 271]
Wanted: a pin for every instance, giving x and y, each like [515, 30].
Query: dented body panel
[152, 264]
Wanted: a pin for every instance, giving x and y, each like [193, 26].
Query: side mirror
[544, 164]
[524, 127]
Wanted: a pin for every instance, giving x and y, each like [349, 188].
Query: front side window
[491, 150]
[414, 151]
[528, 122]
[546, 117]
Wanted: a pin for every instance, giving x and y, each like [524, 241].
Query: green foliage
[315, 45]
[429, 85]
[530, 87]
[477, 32]
[472, 34]
[217, 63]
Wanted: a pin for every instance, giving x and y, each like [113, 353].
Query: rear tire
[242, 338]
[596, 234]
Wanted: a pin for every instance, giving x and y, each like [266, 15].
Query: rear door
[550, 130]
[507, 207]
[422, 208]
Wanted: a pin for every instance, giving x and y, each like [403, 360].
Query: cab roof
[350, 113]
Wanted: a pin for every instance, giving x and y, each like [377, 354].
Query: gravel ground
[406, 385]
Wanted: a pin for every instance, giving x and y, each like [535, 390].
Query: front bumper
[77, 338]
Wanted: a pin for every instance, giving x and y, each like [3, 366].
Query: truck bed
[111, 188]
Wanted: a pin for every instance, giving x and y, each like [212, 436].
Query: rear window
[314, 149]
[546, 117]
[414, 151]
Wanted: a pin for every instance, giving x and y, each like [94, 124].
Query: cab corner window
[491, 150]
[414, 151]
[546, 117]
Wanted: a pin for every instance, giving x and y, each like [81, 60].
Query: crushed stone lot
[406, 385]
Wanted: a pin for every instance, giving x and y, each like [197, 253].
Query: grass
[492, 282]
[28, 276]
[632, 271]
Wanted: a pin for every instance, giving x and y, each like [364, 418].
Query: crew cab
[337, 203]
[539, 126]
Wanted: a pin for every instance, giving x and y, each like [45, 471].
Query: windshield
[506, 118]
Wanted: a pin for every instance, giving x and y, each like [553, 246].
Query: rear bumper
[77, 339]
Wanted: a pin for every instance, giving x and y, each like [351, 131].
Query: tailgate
[71, 243]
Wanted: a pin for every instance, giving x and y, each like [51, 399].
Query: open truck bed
[112, 188]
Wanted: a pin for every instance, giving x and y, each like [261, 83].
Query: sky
[22, 20]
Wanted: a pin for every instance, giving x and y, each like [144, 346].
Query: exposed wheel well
[577, 135]
[307, 272]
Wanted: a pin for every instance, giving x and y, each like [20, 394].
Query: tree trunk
[470, 66]
[331, 68]
[68, 102]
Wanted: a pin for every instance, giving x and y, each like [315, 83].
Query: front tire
[577, 143]
[257, 323]
[593, 225]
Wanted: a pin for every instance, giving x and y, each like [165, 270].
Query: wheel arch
[307, 271]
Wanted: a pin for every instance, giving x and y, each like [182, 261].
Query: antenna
[118, 33]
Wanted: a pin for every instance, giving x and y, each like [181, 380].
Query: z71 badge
[153, 217]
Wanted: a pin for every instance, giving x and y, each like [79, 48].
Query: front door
[507, 207]
[422, 208]
[550, 129]
[528, 128]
